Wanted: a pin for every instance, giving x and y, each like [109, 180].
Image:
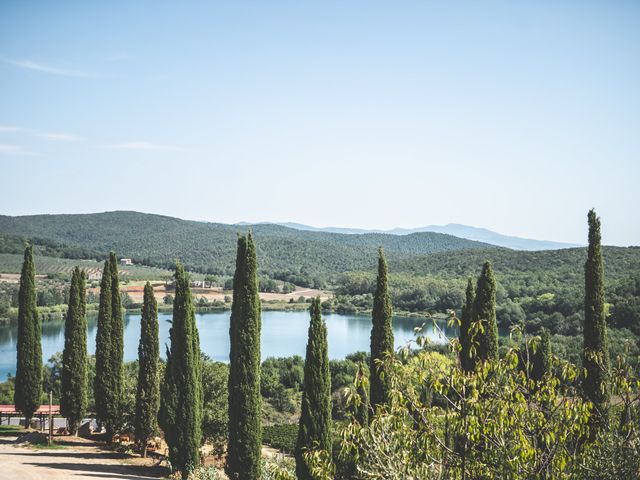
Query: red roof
[42, 410]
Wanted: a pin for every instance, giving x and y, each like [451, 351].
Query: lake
[283, 334]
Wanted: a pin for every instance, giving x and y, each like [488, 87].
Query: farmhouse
[126, 261]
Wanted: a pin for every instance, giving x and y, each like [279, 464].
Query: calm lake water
[283, 334]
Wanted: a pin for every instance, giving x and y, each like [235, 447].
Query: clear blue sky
[515, 116]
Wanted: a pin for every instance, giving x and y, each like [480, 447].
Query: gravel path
[79, 460]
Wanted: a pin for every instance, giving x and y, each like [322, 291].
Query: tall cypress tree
[314, 430]
[245, 429]
[466, 360]
[484, 310]
[595, 358]
[181, 402]
[381, 335]
[148, 392]
[28, 381]
[541, 361]
[102, 387]
[73, 401]
[117, 346]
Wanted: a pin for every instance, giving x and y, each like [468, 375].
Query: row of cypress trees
[179, 409]
[109, 353]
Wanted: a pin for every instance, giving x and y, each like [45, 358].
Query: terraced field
[12, 263]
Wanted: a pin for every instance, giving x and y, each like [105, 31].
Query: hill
[457, 230]
[158, 240]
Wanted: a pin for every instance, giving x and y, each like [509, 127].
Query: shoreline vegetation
[58, 312]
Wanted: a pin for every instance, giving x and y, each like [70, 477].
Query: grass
[11, 429]
[53, 446]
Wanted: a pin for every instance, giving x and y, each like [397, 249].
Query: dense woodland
[157, 240]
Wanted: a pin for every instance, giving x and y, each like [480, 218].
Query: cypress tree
[484, 310]
[109, 349]
[541, 364]
[102, 388]
[148, 392]
[466, 360]
[73, 401]
[117, 346]
[181, 402]
[381, 335]
[314, 430]
[28, 381]
[245, 429]
[595, 358]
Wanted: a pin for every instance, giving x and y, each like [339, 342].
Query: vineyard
[12, 263]
[282, 437]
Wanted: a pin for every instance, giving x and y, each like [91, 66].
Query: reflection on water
[283, 334]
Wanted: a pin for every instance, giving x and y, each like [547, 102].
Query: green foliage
[282, 436]
[181, 402]
[215, 414]
[116, 343]
[361, 405]
[301, 257]
[595, 359]
[103, 383]
[484, 316]
[466, 359]
[109, 350]
[244, 444]
[148, 389]
[73, 401]
[28, 381]
[505, 429]
[315, 421]
[381, 335]
[287, 372]
[541, 364]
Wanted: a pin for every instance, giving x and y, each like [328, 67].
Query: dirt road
[78, 459]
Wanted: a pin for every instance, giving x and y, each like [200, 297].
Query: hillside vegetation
[210, 247]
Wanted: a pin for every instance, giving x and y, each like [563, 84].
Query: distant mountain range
[457, 230]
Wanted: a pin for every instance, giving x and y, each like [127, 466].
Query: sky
[514, 116]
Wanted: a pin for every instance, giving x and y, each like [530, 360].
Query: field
[136, 290]
[12, 263]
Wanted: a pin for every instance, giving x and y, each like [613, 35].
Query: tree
[595, 358]
[245, 430]
[148, 391]
[117, 345]
[361, 407]
[109, 349]
[28, 382]
[102, 387]
[484, 315]
[73, 401]
[381, 335]
[314, 430]
[541, 364]
[466, 357]
[181, 402]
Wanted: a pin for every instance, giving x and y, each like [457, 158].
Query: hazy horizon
[515, 117]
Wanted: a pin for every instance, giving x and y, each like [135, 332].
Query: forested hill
[210, 247]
